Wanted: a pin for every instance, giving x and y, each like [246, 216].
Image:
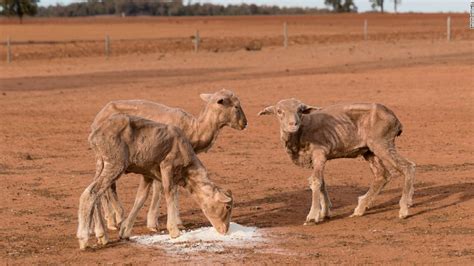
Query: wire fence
[13, 50]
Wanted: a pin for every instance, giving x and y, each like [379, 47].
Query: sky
[363, 5]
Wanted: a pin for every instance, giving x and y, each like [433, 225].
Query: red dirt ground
[47, 106]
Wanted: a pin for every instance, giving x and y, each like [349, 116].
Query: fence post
[9, 51]
[285, 34]
[365, 30]
[107, 46]
[448, 33]
[197, 41]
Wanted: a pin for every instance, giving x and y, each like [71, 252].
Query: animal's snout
[223, 229]
[293, 124]
[243, 123]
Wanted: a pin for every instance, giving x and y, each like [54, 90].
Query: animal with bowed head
[129, 144]
[314, 135]
[222, 109]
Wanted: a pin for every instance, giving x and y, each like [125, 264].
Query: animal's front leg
[140, 198]
[316, 182]
[169, 191]
[154, 210]
[99, 225]
[176, 206]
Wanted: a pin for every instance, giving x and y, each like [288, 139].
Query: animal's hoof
[124, 233]
[153, 229]
[313, 221]
[325, 215]
[181, 227]
[152, 225]
[83, 245]
[124, 238]
[359, 211]
[403, 214]
[174, 233]
[112, 227]
[102, 240]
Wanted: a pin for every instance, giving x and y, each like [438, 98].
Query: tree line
[166, 8]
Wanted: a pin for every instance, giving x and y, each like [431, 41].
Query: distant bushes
[165, 8]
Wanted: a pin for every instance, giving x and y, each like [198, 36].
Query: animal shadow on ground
[296, 204]
[426, 197]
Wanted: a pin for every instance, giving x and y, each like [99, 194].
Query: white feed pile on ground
[203, 239]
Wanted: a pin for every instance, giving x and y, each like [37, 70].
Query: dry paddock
[48, 99]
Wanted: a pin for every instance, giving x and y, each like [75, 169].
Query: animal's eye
[279, 112]
[227, 207]
[220, 101]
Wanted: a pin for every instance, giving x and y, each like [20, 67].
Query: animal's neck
[298, 150]
[206, 129]
[292, 142]
[199, 185]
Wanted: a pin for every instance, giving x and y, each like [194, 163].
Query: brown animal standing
[159, 152]
[314, 135]
[222, 109]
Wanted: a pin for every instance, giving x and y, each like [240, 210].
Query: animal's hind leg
[112, 210]
[389, 156]
[381, 177]
[108, 210]
[326, 204]
[167, 181]
[88, 202]
[99, 228]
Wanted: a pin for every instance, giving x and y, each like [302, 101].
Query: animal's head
[218, 209]
[225, 107]
[289, 113]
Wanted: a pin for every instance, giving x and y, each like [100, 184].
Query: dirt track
[45, 163]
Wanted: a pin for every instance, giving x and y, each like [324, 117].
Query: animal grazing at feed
[160, 153]
[222, 109]
[314, 135]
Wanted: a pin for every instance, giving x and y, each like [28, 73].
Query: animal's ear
[267, 111]
[206, 96]
[222, 197]
[306, 109]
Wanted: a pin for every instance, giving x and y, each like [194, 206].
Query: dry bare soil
[48, 99]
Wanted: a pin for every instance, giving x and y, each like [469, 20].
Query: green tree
[19, 8]
[378, 3]
[341, 5]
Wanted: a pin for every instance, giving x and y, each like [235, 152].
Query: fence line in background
[365, 30]
[285, 34]
[107, 46]
[9, 51]
[197, 41]
[448, 26]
